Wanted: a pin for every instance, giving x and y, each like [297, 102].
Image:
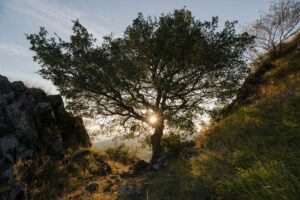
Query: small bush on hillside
[92, 161]
[122, 154]
[171, 144]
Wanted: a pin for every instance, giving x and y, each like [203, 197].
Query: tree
[161, 73]
[272, 29]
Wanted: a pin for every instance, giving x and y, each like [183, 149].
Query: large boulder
[34, 125]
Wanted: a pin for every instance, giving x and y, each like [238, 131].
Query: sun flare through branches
[153, 119]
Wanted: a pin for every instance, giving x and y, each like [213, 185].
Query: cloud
[54, 16]
[13, 49]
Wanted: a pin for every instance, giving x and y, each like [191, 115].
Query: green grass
[56, 180]
[261, 181]
[255, 149]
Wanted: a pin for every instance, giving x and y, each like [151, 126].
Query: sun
[152, 119]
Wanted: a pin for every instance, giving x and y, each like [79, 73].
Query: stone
[92, 187]
[123, 188]
[42, 108]
[160, 163]
[4, 85]
[139, 166]
[155, 167]
[34, 125]
[24, 153]
[129, 190]
[162, 159]
[8, 175]
[16, 192]
[55, 101]
[18, 86]
[8, 143]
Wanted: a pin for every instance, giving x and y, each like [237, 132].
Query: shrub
[171, 144]
[90, 160]
[122, 154]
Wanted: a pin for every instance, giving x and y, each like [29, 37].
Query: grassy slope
[67, 181]
[253, 152]
[257, 145]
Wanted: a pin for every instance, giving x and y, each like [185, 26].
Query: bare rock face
[33, 126]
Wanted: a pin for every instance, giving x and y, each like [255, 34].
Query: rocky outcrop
[34, 126]
[92, 187]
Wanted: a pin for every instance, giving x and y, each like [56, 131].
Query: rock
[130, 190]
[123, 188]
[126, 189]
[16, 192]
[24, 153]
[139, 166]
[161, 159]
[8, 143]
[4, 85]
[165, 164]
[18, 86]
[55, 101]
[155, 167]
[8, 175]
[34, 125]
[92, 187]
[42, 108]
[160, 163]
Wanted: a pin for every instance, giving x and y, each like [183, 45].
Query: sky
[100, 17]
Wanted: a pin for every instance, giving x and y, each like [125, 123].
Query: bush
[122, 154]
[91, 161]
[172, 144]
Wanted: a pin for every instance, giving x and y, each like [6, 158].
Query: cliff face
[34, 126]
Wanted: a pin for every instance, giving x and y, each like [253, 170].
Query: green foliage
[122, 154]
[171, 143]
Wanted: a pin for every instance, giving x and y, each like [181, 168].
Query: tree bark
[155, 142]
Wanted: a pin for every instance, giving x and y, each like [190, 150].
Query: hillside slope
[253, 151]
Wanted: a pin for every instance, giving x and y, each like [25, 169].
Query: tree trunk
[155, 142]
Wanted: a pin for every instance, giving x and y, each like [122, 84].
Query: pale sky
[101, 17]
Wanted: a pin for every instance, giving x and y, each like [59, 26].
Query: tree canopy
[169, 67]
